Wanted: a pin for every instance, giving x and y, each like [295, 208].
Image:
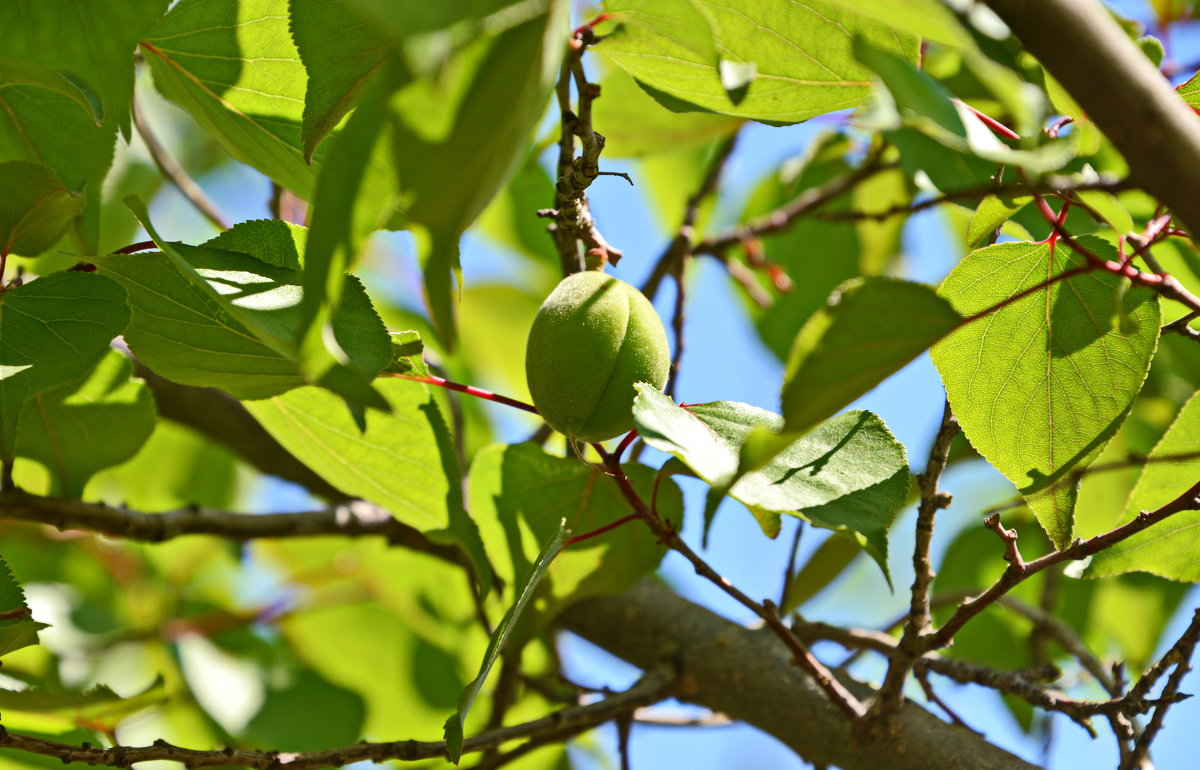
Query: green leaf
[341, 49]
[47, 119]
[232, 65]
[175, 467]
[404, 461]
[36, 209]
[829, 560]
[288, 717]
[1169, 548]
[804, 67]
[1041, 385]
[869, 330]
[635, 125]
[927, 19]
[519, 493]
[1190, 91]
[17, 628]
[345, 212]
[81, 428]
[99, 703]
[14, 73]
[817, 255]
[992, 214]
[52, 331]
[95, 42]
[223, 314]
[407, 354]
[457, 139]
[924, 104]
[847, 473]
[454, 725]
[1109, 209]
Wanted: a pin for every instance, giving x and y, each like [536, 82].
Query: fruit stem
[600, 531]
[630, 437]
[470, 390]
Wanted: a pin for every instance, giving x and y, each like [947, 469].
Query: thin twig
[1050, 185]
[654, 686]
[1180, 654]
[1181, 327]
[175, 173]
[572, 220]
[914, 643]
[353, 519]
[1080, 549]
[782, 218]
[681, 245]
[470, 390]
[838, 695]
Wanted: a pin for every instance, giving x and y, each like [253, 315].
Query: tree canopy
[269, 500]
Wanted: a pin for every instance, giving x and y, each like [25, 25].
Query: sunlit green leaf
[404, 461]
[635, 125]
[804, 68]
[928, 19]
[341, 49]
[1041, 384]
[847, 473]
[992, 214]
[233, 66]
[1169, 548]
[221, 315]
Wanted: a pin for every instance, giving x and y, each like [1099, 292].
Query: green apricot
[592, 339]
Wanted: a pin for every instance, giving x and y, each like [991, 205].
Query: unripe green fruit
[592, 339]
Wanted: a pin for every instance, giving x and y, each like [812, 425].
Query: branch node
[1012, 553]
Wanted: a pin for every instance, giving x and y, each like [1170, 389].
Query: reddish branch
[1080, 549]
[668, 536]
[470, 390]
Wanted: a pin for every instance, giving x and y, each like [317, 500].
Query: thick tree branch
[1083, 47]
[747, 675]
